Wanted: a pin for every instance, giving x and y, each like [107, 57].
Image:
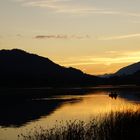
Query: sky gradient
[96, 36]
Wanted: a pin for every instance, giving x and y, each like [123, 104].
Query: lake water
[19, 117]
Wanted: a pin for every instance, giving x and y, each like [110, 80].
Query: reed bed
[123, 125]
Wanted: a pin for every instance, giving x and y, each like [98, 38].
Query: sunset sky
[96, 36]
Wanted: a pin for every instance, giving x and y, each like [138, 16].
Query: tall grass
[113, 126]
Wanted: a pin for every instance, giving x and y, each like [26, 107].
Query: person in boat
[113, 95]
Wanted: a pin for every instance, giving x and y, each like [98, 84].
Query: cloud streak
[61, 37]
[127, 57]
[51, 37]
[120, 37]
[75, 7]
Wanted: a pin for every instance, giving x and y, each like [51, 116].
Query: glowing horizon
[95, 36]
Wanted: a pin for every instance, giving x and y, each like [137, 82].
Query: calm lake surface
[19, 116]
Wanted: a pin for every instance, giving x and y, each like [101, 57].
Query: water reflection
[18, 114]
[19, 107]
[27, 113]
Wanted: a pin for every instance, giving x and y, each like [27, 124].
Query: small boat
[113, 95]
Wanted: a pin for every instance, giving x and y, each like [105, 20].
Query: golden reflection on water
[85, 107]
[78, 107]
[92, 105]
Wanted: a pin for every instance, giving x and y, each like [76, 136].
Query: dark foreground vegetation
[113, 126]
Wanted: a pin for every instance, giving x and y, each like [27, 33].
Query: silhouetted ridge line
[128, 70]
[19, 68]
[126, 76]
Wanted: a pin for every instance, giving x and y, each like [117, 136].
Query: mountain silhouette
[125, 76]
[125, 79]
[128, 70]
[19, 68]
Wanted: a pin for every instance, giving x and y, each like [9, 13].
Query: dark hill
[128, 70]
[19, 68]
[125, 79]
